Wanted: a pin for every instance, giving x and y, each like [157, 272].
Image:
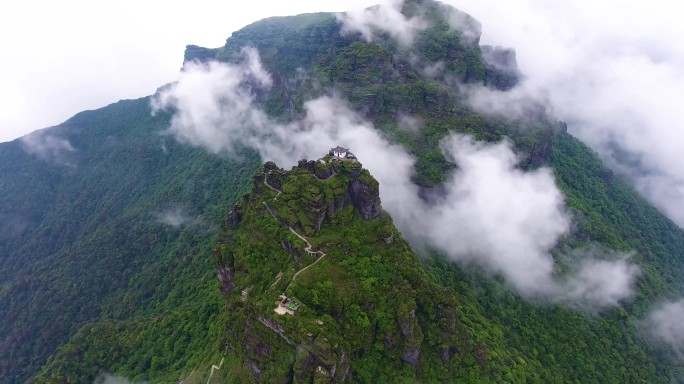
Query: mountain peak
[317, 281]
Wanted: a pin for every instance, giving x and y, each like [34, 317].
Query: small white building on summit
[339, 152]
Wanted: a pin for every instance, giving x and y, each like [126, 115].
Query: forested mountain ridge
[108, 226]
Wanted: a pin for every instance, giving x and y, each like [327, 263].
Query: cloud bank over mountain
[108, 62]
[492, 214]
[615, 75]
[48, 147]
[664, 325]
[386, 17]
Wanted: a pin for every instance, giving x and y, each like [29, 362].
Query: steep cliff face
[321, 287]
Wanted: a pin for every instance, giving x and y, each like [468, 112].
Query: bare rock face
[274, 175]
[366, 198]
[500, 58]
[540, 153]
[307, 165]
[412, 356]
[446, 353]
[315, 199]
[224, 275]
[291, 250]
[322, 173]
[253, 367]
[411, 332]
[233, 217]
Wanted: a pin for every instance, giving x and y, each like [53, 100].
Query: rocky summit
[321, 286]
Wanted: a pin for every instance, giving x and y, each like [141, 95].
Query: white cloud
[613, 73]
[175, 217]
[384, 17]
[492, 214]
[507, 221]
[613, 69]
[412, 124]
[76, 55]
[214, 102]
[107, 378]
[599, 284]
[47, 146]
[665, 325]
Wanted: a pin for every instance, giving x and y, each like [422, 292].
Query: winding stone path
[273, 189]
[213, 368]
[310, 252]
[307, 249]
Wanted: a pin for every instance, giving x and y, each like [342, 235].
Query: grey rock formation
[500, 58]
[233, 217]
[412, 356]
[366, 199]
[224, 275]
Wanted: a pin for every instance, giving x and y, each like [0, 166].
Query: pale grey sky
[60, 57]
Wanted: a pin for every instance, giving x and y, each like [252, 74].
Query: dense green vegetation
[93, 247]
[558, 343]
[368, 309]
[92, 281]
[522, 342]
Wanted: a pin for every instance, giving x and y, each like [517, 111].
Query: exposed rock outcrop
[224, 275]
[500, 58]
[366, 198]
[307, 165]
[233, 217]
[291, 250]
[274, 175]
[540, 153]
[412, 356]
[253, 367]
[322, 171]
[411, 332]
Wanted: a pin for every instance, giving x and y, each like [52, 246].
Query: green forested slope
[93, 247]
[369, 312]
[561, 344]
[85, 261]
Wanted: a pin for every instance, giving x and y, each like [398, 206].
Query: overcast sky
[61, 57]
[58, 58]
